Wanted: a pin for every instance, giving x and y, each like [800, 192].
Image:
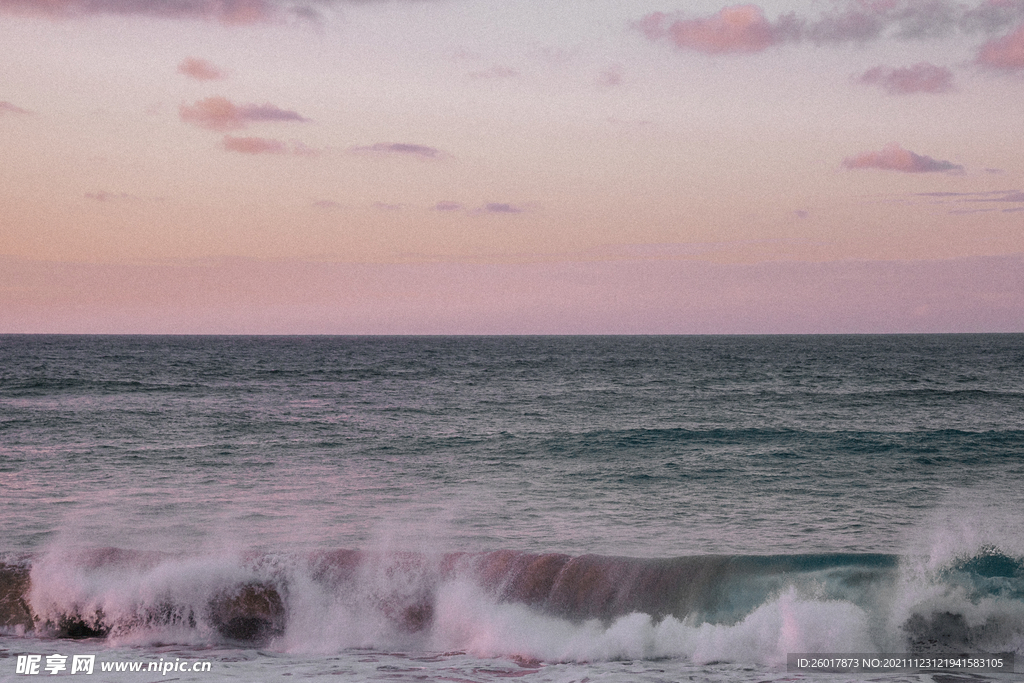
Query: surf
[507, 603]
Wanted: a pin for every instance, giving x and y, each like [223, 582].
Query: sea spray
[549, 607]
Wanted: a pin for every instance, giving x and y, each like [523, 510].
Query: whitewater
[481, 508]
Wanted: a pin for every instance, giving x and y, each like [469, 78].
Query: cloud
[967, 202]
[269, 112]
[1014, 196]
[8, 108]
[921, 77]
[1005, 53]
[399, 148]
[199, 69]
[253, 145]
[739, 28]
[494, 207]
[224, 11]
[959, 194]
[864, 20]
[215, 113]
[490, 207]
[745, 28]
[857, 25]
[991, 16]
[220, 114]
[895, 158]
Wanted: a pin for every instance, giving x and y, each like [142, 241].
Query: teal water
[211, 463]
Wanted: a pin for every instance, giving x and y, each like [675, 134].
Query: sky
[511, 166]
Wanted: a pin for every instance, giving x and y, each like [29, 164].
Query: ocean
[481, 508]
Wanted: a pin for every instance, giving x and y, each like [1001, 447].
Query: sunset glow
[465, 166]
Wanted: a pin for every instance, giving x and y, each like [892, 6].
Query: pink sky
[469, 166]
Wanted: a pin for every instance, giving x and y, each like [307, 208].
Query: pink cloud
[252, 145]
[922, 77]
[215, 113]
[1006, 52]
[447, 206]
[8, 108]
[895, 158]
[199, 69]
[224, 11]
[739, 28]
[219, 113]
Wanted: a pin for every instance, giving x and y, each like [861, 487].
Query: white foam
[67, 582]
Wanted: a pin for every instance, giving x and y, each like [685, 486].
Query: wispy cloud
[8, 108]
[1006, 52]
[220, 114]
[239, 12]
[489, 207]
[268, 112]
[944, 195]
[224, 11]
[921, 77]
[746, 28]
[968, 202]
[1008, 197]
[399, 148]
[199, 69]
[895, 158]
[496, 207]
[862, 20]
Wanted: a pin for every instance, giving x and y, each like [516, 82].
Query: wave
[548, 606]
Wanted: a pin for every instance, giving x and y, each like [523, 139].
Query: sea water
[480, 508]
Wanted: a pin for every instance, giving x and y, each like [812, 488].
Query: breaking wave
[550, 607]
